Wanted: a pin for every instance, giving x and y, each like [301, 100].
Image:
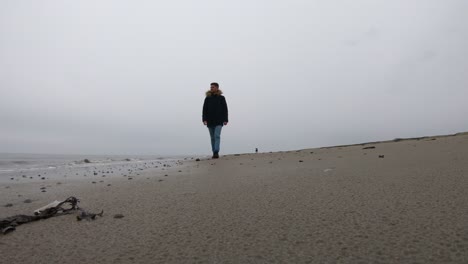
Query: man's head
[214, 87]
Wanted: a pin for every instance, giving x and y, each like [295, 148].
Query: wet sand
[400, 202]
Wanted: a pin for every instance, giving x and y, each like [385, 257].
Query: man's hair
[215, 84]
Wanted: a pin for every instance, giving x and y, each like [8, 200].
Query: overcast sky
[129, 77]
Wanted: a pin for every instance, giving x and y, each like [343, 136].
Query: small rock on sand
[118, 216]
[8, 205]
[27, 201]
[371, 147]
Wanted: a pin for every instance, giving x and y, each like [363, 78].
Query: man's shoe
[215, 155]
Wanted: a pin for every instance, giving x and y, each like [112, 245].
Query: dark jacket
[215, 110]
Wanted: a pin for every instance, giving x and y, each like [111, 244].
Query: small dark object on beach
[43, 191]
[27, 201]
[371, 147]
[12, 178]
[311, 152]
[93, 182]
[95, 173]
[86, 161]
[256, 150]
[42, 188]
[43, 178]
[88, 216]
[118, 216]
[166, 175]
[195, 160]
[109, 184]
[160, 180]
[8, 205]
[236, 154]
[130, 178]
[180, 171]
[24, 176]
[301, 161]
[381, 156]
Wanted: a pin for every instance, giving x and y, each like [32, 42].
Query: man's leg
[217, 137]
[212, 137]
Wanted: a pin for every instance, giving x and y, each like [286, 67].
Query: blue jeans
[215, 135]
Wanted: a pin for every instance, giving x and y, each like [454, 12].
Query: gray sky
[129, 77]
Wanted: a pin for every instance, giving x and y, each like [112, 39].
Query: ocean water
[10, 162]
[37, 165]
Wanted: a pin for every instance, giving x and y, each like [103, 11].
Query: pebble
[8, 205]
[371, 147]
[118, 216]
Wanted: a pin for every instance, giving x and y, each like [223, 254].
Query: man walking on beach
[215, 116]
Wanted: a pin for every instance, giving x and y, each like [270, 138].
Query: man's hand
[225, 123]
[205, 123]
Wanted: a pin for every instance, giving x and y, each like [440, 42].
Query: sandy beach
[399, 202]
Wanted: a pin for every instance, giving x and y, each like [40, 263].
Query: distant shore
[396, 201]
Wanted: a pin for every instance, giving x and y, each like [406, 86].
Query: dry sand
[339, 205]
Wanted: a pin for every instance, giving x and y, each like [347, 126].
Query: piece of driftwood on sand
[68, 206]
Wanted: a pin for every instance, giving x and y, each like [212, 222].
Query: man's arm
[225, 111]
[204, 112]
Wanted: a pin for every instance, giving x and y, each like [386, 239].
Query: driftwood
[68, 206]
